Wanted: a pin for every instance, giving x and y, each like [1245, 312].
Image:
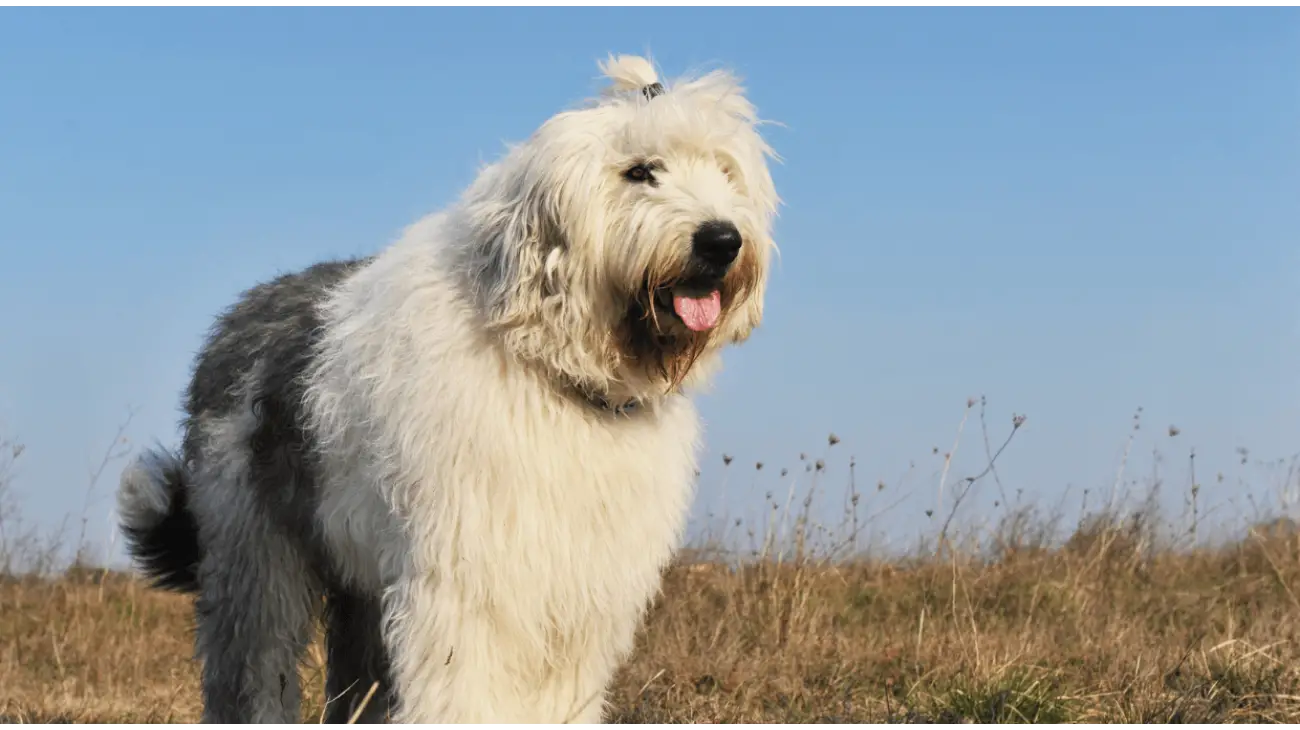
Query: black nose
[716, 243]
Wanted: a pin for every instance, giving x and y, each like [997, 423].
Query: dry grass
[1100, 630]
[1093, 632]
[1114, 623]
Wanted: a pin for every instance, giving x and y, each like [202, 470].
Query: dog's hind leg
[356, 658]
[258, 595]
[254, 615]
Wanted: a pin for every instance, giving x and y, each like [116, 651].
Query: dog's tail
[161, 534]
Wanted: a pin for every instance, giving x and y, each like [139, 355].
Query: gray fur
[240, 502]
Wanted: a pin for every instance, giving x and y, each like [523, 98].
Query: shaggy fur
[475, 446]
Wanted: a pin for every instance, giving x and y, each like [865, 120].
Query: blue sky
[1072, 212]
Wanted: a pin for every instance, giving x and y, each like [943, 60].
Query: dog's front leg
[454, 661]
[445, 662]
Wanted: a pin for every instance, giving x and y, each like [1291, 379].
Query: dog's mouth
[697, 305]
[670, 324]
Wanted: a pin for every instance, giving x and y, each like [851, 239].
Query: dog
[472, 454]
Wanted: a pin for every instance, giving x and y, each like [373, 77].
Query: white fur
[517, 533]
[142, 495]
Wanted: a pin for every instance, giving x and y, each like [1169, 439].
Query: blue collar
[625, 408]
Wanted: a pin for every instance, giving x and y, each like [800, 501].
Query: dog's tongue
[699, 314]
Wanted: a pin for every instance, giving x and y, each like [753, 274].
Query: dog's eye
[639, 173]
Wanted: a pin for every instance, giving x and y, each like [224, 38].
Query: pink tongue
[699, 314]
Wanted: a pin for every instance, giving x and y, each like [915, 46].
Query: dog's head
[626, 242]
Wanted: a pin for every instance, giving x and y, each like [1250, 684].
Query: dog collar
[601, 403]
[622, 409]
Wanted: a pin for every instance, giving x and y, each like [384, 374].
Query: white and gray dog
[475, 446]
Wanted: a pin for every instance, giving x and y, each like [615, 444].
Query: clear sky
[1072, 212]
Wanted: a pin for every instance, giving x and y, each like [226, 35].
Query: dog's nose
[716, 243]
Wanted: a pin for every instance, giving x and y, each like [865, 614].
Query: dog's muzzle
[696, 299]
[714, 247]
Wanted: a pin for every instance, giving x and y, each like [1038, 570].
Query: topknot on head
[632, 73]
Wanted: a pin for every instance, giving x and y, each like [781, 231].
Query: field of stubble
[1100, 630]
[1109, 621]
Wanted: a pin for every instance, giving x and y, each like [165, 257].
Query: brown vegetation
[1101, 630]
[1115, 623]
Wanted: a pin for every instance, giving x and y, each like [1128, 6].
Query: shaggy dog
[475, 446]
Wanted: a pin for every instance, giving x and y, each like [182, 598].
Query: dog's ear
[748, 279]
[519, 260]
[753, 267]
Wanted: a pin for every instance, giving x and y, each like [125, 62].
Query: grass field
[1107, 622]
